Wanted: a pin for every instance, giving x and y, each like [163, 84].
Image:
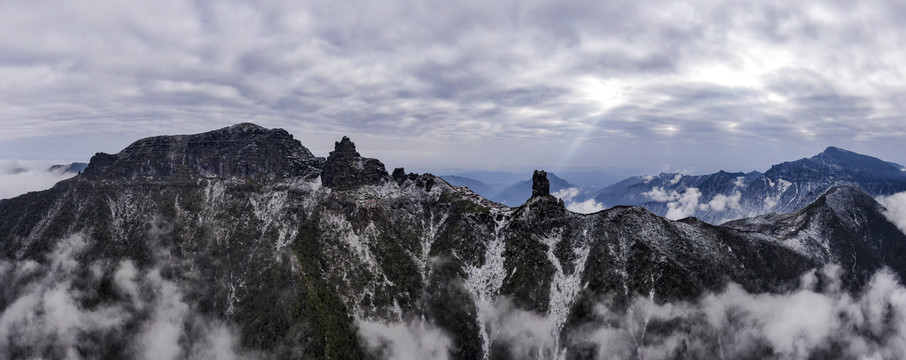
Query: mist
[896, 209]
[17, 178]
[54, 308]
[817, 318]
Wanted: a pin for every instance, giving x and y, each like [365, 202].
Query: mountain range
[240, 243]
[785, 187]
[723, 196]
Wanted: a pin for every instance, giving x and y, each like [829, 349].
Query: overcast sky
[702, 86]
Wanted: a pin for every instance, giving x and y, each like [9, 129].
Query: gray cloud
[416, 339]
[644, 79]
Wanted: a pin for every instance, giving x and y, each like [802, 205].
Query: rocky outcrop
[540, 185]
[242, 150]
[346, 168]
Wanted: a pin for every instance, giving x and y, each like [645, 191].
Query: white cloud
[566, 194]
[735, 323]
[412, 340]
[587, 206]
[675, 179]
[46, 316]
[896, 209]
[721, 202]
[679, 205]
[17, 178]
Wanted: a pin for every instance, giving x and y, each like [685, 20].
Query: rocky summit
[239, 243]
[242, 150]
[346, 169]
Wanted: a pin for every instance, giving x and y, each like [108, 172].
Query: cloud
[619, 82]
[585, 207]
[412, 340]
[18, 178]
[721, 202]
[817, 319]
[568, 195]
[679, 205]
[46, 311]
[896, 209]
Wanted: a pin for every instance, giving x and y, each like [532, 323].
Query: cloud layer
[540, 83]
[17, 178]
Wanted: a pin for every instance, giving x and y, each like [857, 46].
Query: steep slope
[845, 226]
[201, 239]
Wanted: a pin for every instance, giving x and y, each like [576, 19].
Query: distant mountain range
[510, 195]
[724, 196]
[785, 187]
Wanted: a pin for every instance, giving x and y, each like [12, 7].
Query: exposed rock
[399, 175]
[540, 185]
[346, 169]
[242, 150]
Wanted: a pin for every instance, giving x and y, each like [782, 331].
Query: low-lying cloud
[51, 311]
[412, 340]
[896, 209]
[17, 178]
[570, 196]
[679, 205]
[689, 201]
[818, 319]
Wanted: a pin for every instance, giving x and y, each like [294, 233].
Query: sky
[429, 85]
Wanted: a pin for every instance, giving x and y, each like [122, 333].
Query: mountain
[785, 187]
[240, 243]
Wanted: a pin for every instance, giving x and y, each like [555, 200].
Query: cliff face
[302, 267]
[346, 169]
[242, 150]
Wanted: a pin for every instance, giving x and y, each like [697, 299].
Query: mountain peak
[344, 146]
[541, 186]
[246, 126]
[346, 168]
[240, 150]
[833, 151]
